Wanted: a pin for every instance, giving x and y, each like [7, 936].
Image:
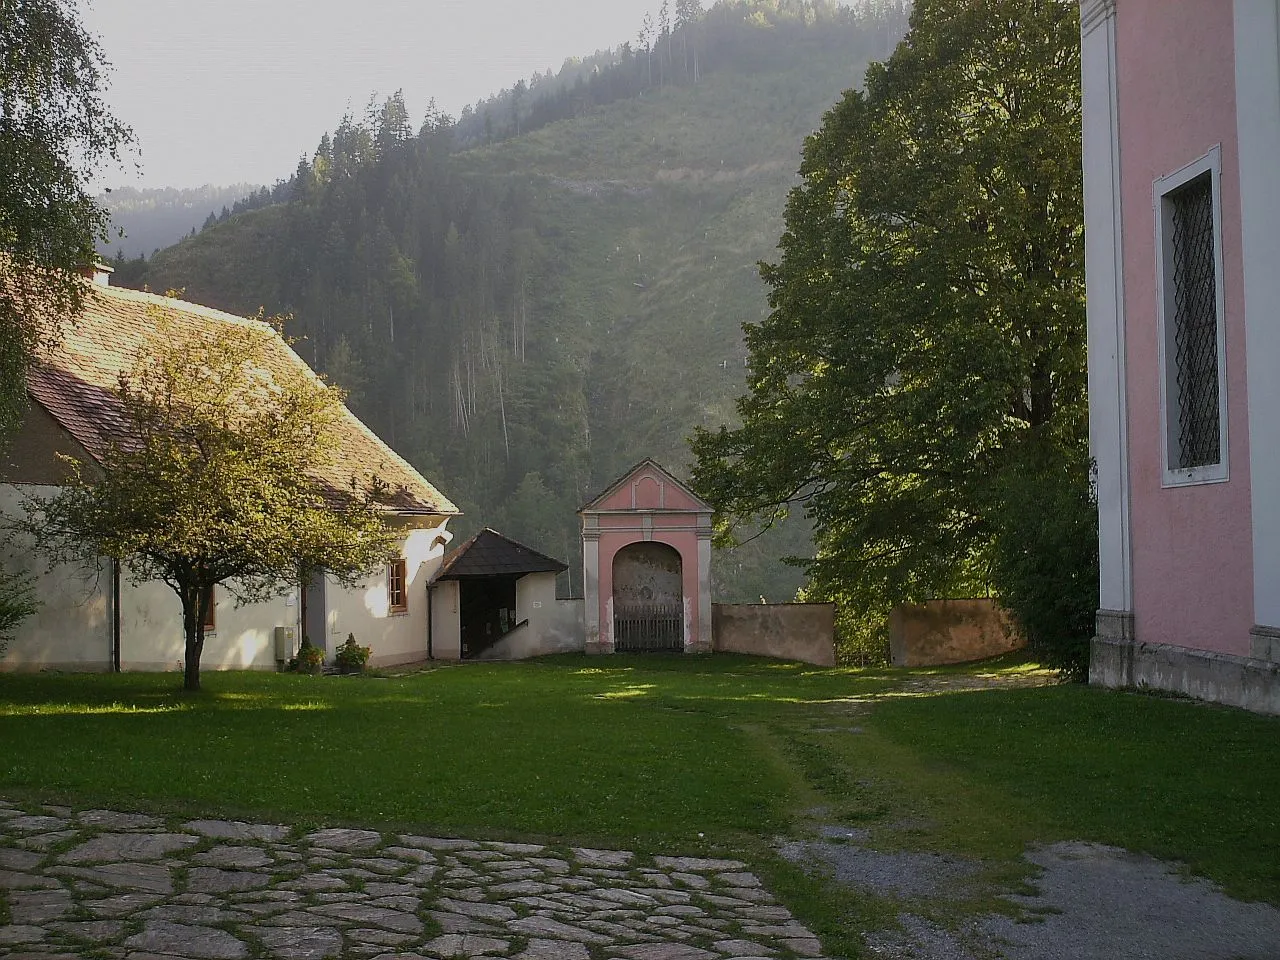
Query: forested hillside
[142, 221]
[524, 318]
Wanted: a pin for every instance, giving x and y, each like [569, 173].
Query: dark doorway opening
[486, 612]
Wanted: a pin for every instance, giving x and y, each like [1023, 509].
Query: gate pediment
[647, 486]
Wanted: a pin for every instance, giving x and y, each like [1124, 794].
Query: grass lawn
[673, 755]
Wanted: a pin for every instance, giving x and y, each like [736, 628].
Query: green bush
[1044, 557]
[351, 657]
[862, 633]
[310, 658]
[862, 639]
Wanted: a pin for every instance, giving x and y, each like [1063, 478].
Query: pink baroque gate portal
[646, 554]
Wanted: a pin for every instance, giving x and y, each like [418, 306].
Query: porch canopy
[487, 567]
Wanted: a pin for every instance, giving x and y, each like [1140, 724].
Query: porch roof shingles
[490, 554]
[76, 380]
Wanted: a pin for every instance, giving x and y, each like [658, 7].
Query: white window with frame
[1190, 303]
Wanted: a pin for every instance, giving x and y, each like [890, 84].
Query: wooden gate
[648, 628]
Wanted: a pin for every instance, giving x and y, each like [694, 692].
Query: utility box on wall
[286, 643]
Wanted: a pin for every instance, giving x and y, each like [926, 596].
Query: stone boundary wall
[788, 631]
[1217, 677]
[950, 631]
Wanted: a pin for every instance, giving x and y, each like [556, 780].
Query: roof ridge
[455, 556]
[188, 306]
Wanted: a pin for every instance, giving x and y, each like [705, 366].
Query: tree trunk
[193, 619]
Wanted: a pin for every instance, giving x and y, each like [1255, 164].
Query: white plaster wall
[554, 626]
[72, 629]
[151, 632]
[535, 599]
[365, 608]
[446, 636]
[568, 624]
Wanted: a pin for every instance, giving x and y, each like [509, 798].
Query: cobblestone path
[113, 885]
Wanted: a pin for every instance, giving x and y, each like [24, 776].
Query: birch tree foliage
[926, 345]
[213, 479]
[55, 133]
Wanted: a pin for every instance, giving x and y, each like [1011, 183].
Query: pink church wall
[1192, 551]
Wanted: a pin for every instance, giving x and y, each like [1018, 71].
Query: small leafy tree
[212, 479]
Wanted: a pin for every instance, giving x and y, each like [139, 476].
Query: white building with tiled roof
[95, 619]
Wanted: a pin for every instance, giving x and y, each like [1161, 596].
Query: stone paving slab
[127, 886]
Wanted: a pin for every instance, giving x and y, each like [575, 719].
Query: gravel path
[1094, 902]
[133, 887]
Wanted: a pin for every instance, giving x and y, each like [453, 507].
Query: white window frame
[1219, 472]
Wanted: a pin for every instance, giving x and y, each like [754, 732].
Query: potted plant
[351, 657]
[310, 658]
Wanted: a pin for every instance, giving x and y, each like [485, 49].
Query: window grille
[1195, 334]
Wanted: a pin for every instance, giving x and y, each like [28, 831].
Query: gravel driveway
[1093, 903]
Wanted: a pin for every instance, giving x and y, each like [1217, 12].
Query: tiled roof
[489, 554]
[76, 382]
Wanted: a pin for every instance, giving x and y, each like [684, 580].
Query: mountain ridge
[524, 319]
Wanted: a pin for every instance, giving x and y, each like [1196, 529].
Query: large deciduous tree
[213, 478]
[922, 373]
[55, 132]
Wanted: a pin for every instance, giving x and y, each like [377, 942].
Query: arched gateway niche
[646, 558]
[648, 599]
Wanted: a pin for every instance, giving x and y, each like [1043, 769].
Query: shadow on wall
[950, 631]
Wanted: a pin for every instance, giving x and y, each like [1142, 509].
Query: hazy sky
[222, 91]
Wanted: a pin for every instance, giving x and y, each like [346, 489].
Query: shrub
[1044, 558]
[351, 657]
[862, 637]
[310, 658]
